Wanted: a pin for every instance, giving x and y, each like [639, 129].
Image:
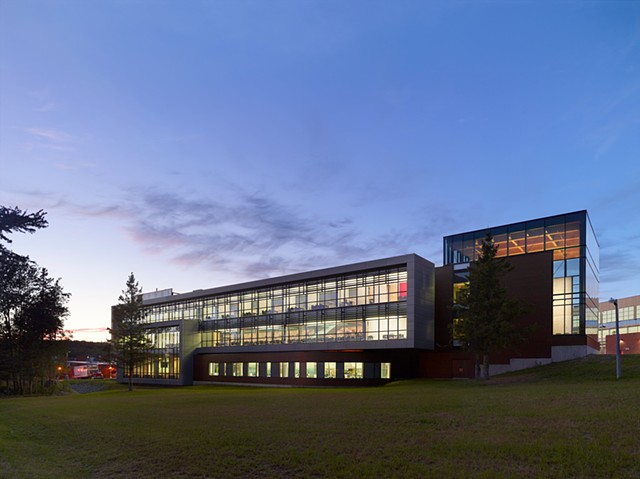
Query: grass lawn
[565, 420]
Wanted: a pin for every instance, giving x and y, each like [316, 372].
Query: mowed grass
[565, 420]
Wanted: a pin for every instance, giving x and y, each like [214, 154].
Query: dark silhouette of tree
[15, 220]
[130, 342]
[32, 311]
[485, 314]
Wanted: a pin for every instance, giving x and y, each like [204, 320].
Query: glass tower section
[575, 262]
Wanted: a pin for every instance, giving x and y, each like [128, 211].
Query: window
[296, 369]
[385, 370]
[268, 369]
[284, 370]
[353, 370]
[214, 369]
[535, 238]
[312, 370]
[573, 267]
[516, 240]
[558, 269]
[329, 370]
[237, 369]
[252, 369]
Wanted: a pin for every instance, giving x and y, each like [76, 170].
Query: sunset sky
[203, 143]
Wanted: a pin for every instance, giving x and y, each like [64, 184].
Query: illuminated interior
[364, 307]
[575, 262]
[164, 355]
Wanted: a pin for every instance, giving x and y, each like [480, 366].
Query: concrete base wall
[558, 354]
[567, 353]
[517, 365]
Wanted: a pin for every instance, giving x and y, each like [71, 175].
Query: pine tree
[486, 315]
[128, 335]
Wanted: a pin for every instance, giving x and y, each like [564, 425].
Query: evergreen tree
[16, 220]
[130, 342]
[32, 310]
[486, 315]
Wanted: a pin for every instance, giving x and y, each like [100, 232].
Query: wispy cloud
[75, 165]
[58, 146]
[249, 234]
[51, 134]
[253, 235]
[260, 234]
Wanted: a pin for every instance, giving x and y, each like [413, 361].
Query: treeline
[32, 311]
[81, 350]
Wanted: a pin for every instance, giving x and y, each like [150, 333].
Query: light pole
[618, 365]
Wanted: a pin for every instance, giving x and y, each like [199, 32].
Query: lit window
[312, 370]
[353, 370]
[329, 370]
[385, 370]
[214, 369]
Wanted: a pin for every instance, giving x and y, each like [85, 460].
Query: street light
[618, 365]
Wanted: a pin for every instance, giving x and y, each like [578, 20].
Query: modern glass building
[628, 326]
[379, 320]
[367, 312]
[571, 239]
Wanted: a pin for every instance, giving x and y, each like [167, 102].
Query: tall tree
[32, 310]
[485, 314]
[130, 342]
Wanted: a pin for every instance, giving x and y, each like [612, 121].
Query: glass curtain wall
[628, 318]
[366, 306]
[575, 262]
[163, 358]
[363, 307]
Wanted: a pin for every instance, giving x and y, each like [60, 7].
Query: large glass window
[517, 243]
[535, 237]
[284, 370]
[330, 370]
[365, 306]
[252, 369]
[163, 358]
[500, 238]
[312, 370]
[385, 370]
[575, 267]
[353, 370]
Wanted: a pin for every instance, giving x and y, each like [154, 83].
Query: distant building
[629, 326]
[372, 322]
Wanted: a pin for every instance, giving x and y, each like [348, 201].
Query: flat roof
[545, 218]
[292, 278]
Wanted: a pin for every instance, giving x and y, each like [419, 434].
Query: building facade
[555, 276]
[629, 326]
[359, 321]
[372, 322]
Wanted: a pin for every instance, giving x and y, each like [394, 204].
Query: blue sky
[199, 144]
